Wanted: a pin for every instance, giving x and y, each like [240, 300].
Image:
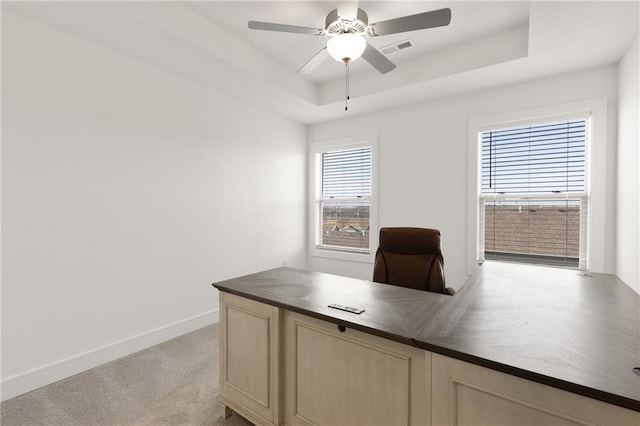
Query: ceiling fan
[346, 27]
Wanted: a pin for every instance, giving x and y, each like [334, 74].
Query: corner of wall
[628, 177]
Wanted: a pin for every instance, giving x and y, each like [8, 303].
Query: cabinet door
[351, 378]
[249, 358]
[467, 394]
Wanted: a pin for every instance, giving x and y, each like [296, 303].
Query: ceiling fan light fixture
[346, 47]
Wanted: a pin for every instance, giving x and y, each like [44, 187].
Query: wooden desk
[516, 343]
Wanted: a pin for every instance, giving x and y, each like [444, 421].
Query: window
[537, 182]
[342, 199]
[533, 202]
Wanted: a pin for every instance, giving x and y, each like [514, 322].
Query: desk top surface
[558, 327]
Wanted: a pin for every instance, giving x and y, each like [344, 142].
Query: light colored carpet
[174, 383]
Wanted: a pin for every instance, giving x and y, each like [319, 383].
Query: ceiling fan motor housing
[335, 25]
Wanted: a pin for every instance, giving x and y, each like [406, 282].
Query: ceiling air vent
[401, 45]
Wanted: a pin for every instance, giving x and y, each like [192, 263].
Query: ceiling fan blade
[314, 62]
[348, 9]
[377, 59]
[421, 21]
[269, 26]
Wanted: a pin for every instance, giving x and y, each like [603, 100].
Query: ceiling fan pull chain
[346, 85]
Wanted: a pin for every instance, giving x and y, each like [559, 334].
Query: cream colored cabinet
[335, 377]
[250, 353]
[467, 394]
[281, 367]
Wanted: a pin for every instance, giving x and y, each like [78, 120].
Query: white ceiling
[487, 44]
[471, 20]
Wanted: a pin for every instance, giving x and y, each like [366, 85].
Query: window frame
[315, 182]
[596, 157]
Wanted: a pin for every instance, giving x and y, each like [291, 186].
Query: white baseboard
[47, 374]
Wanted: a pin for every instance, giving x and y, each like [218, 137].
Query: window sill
[347, 256]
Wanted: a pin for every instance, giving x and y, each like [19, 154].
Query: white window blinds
[533, 200]
[541, 159]
[346, 173]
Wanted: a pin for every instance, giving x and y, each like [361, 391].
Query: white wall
[126, 192]
[423, 159]
[628, 204]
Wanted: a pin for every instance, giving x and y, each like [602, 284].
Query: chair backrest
[410, 257]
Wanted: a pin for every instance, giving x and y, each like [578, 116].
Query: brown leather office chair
[411, 257]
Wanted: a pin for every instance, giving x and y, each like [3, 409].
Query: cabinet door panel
[248, 354]
[467, 394]
[351, 378]
[249, 358]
